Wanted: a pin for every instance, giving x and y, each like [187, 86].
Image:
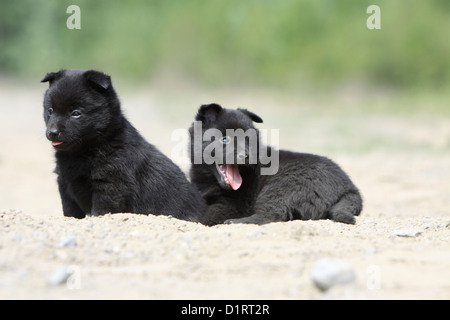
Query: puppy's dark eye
[50, 111]
[76, 114]
[226, 140]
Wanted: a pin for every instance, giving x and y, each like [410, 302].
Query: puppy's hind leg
[345, 210]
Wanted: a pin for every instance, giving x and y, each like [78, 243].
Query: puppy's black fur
[305, 187]
[103, 163]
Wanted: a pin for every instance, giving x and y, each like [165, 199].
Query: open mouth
[230, 175]
[56, 143]
[62, 145]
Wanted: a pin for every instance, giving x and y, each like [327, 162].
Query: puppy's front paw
[241, 220]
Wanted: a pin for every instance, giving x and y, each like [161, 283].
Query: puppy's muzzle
[53, 134]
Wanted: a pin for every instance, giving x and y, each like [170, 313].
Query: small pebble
[70, 241]
[327, 273]
[58, 277]
[408, 233]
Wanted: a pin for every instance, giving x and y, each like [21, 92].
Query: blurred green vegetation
[257, 42]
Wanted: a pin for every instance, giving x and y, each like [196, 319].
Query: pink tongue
[56, 143]
[233, 176]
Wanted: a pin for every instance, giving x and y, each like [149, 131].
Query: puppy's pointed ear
[52, 76]
[208, 112]
[251, 115]
[98, 80]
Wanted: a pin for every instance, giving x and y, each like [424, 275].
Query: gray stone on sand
[69, 241]
[327, 273]
[408, 233]
[58, 277]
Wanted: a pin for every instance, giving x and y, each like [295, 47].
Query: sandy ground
[398, 249]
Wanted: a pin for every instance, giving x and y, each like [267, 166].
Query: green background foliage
[258, 42]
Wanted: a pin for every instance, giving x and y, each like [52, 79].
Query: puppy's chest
[73, 169]
[83, 173]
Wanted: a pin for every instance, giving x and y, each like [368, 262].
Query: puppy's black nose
[53, 134]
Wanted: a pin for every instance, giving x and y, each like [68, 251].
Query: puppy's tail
[345, 210]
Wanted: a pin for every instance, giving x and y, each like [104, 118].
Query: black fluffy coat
[102, 162]
[306, 186]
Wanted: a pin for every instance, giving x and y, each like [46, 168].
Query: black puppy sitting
[305, 187]
[103, 164]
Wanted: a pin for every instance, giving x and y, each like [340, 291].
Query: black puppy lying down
[103, 163]
[305, 187]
